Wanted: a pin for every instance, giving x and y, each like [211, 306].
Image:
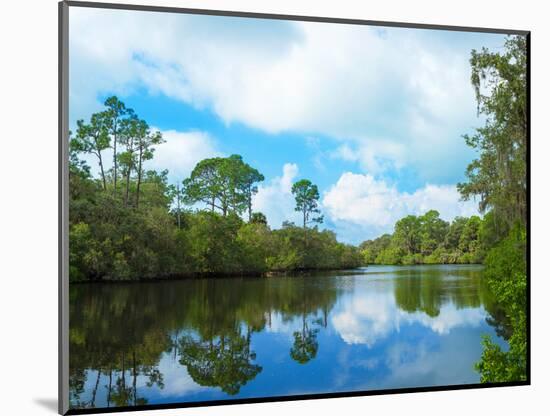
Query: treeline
[427, 239]
[129, 223]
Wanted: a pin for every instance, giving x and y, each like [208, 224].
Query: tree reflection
[225, 362]
[305, 344]
[427, 289]
[119, 332]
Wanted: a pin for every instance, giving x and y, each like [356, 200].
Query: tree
[177, 195]
[226, 184]
[128, 136]
[92, 138]
[499, 176]
[204, 184]
[249, 177]
[116, 110]
[469, 239]
[370, 249]
[452, 238]
[258, 218]
[145, 140]
[432, 231]
[306, 195]
[506, 274]
[231, 173]
[407, 234]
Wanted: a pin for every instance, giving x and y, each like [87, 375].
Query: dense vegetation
[130, 223]
[427, 239]
[499, 178]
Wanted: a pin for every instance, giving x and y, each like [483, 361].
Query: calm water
[376, 328]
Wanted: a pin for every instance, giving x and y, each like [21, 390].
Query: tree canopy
[131, 224]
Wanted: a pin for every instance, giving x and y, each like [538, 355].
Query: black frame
[63, 210]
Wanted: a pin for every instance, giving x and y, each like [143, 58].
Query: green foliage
[427, 239]
[129, 224]
[226, 184]
[390, 255]
[372, 248]
[499, 176]
[407, 234]
[432, 232]
[213, 243]
[258, 218]
[92, 138]
[507, 277]
[306, 195]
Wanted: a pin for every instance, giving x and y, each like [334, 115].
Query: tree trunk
[127, 187]
[102, 171]
[305, 231]
[178, 204]
[249, 197]
[114, 155]
[139, 176]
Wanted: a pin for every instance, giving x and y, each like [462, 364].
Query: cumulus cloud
[182, 151]
[275, 199]
[375, 205]
[375, 156]
[343, 81]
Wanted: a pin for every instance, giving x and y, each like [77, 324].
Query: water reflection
[133, 344]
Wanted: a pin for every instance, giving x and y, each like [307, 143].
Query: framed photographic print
[262, 207]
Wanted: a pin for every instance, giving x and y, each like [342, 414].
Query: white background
[28, 205]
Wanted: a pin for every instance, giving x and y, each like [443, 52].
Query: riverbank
[225, 275]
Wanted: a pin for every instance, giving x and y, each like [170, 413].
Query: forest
[131, 224]
[427, 239]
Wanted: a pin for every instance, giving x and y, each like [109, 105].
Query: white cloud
[373, 155]
[344, 81]
[275, 200]
[375, 205]
[181, 152]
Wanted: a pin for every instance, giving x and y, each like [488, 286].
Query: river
[381, 327]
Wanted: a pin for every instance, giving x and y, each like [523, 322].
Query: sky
[374, 116]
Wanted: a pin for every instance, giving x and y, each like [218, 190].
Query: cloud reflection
[372, 316]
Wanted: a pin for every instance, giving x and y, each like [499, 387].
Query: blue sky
[373, 116]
